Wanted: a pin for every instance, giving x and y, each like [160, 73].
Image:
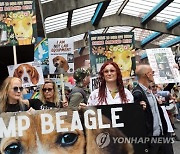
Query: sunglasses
[47, 89]
[111, 71]
[16, 89]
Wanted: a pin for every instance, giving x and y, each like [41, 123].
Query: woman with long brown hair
[111, 89]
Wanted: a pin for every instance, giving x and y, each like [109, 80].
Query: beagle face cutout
[61, 64]
[36, 140]
[27, 73]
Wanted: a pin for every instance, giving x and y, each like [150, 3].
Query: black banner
[106, 129]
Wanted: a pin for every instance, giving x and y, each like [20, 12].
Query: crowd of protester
[111, 90]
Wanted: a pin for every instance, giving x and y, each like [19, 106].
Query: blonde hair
[56, 98]
[4, 90]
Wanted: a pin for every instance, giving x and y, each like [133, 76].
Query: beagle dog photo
[76, 141]
[18, 145]
[27, 73]
[61, 64]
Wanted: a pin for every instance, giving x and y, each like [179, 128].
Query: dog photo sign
[30, 73]
[61, 55]
[66, 130]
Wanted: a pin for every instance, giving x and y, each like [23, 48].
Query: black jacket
[139, 95]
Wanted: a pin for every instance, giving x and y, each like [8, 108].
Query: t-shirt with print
[38, 105]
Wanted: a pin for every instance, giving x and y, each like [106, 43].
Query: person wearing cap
[80, 93]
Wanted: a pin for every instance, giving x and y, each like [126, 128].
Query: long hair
[4, 90]
[56, 98]
[102, 88]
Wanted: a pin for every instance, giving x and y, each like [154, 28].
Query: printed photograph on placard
[162, 62]
[18, 24]
[30, 73]
[61, 55]
[118, 47]
[163, 66]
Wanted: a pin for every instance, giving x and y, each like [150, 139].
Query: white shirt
[93, 98]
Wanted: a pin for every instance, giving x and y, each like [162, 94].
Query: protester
[10, 95]
[111, 90]
[154, 117]
[176, 94]
[80, 93]
[48, 97]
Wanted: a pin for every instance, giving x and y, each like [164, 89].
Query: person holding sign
[111, 90]
[48, 98]
[11, 93]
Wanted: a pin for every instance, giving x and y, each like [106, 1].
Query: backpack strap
[79, 90]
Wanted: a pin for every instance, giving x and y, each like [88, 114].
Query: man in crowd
[80, 92]
[156, 125]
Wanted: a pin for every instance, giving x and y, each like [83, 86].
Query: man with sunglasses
[156, 125]
[11, 93]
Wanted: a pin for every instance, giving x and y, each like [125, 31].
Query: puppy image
[27, 73]
[61, 64]
[77, 141]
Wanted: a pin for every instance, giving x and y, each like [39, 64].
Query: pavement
[176, 144]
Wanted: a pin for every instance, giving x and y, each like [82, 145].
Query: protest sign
[30, 73]
[41, 54]
[118, 47]
[61, 55]
[17, 22]
[94, 83]
[162, 63]
[104, 129]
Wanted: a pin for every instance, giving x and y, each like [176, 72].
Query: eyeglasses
[16, 89]
[111, 71]
[47, 89]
